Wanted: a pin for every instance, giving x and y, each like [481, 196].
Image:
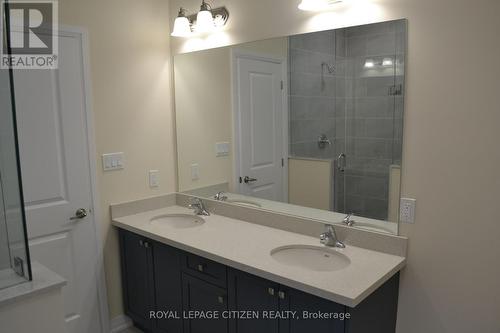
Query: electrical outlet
[154, 178]
[407, 210]
[195, 171]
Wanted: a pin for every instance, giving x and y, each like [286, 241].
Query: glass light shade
[313, 5]
[369, 63]
[387, 62]
[181, 27]
[204, 21]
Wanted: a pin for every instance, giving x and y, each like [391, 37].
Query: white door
[56, 175]
[260, 145]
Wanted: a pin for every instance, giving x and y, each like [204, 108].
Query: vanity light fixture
[204, 20]
[387, 62]
[182, 27]
[207, 20]
[369, 63]
[317, 5]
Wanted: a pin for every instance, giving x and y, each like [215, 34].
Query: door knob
[80, 214]
[249, 180]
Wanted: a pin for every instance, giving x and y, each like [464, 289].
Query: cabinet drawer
[205, 269]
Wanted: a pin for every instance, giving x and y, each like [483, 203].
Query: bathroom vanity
[176, 264]
[282, 138]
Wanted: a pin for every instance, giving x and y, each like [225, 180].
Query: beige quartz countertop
[247, 246]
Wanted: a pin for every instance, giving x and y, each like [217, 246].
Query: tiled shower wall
[352, 106]
[312, 93]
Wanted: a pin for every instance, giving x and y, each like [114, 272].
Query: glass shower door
[14, 255]
[368, 153]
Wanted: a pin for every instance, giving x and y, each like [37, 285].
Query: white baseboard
[119, 323]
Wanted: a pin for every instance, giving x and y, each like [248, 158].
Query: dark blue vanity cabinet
[253, 293]
[203, 296]
[157, 277]
[137, 278]
[167, 281]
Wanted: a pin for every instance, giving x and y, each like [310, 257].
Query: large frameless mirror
[308, 125]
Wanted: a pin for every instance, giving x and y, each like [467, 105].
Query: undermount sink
[315, 258]
[244, 202]
[179, 221]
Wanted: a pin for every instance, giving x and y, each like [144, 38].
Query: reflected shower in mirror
[308, 125]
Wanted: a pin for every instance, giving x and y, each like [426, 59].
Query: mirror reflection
[308, 125]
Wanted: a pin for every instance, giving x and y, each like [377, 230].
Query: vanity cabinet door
[250, 293]
[201, 296]
[138, 288]
[168, 287]
[378, 312]
[300, 303]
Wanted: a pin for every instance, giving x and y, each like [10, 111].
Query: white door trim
[245, 54]
[82, 34]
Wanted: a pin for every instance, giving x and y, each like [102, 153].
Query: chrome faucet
[329, 237]
[348, 220]
[220, 196]
[199, 207]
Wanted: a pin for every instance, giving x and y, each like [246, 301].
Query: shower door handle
[341, 162]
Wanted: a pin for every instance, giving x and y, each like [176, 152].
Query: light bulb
[316, 5]
[369, 63]
[313, 5]
[182, 27]
[204, 19]
[387, 62]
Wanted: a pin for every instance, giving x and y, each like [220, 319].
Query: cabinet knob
[220, 299]
[281, 294]
[141, 242]
[270, 291]
[201, 268]
[146, 245]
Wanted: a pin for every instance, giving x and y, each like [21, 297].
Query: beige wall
[203, 116]
[450, 155]
[203, 104]
[130, 73]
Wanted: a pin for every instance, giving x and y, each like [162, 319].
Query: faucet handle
[348, 220]
[198, 206]
[220, 196]
[329, 237]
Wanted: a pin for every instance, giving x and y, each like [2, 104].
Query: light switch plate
[113, 161]
[195, 171]
[407, 210]
[154, 178]
[221, 149]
